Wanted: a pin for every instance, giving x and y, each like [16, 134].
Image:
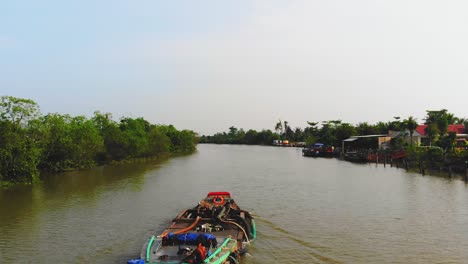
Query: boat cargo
[216, 231]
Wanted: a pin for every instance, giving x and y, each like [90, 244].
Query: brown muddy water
[307, 210]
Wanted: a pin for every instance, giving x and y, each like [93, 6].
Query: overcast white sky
[209, 65]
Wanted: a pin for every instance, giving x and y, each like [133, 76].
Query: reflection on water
[308, 210]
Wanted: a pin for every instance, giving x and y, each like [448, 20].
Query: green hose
[222, 258]
[148, 249]
[217, 250]
[254, 230]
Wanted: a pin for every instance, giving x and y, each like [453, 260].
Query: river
[308, 210]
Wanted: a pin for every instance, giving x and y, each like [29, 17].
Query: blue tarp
[190, 238]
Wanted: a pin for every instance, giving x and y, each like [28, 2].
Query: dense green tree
[365, 129]
[288, 133]
[19, 154]
[266, 137]
[19, 148]
[251, 137]
[327, 133]
[233, 132]
[158, 142]
[382, 127]
[87, 141]
[448, 141]
[311, 133]
[56, 143]
[181, 141]
[344, 131]
[18, 110]
[69, 142]
[441, 118]
[298, 134]
[187, 142]
[114, 148]
[116, 144]
[432, 132]
[135, 136]
[102, 121]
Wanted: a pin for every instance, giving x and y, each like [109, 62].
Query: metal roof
[350, 139]
[370, 136]
[366, 136]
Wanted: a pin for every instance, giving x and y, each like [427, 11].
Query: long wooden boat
[216, 231]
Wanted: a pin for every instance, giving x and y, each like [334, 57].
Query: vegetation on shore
[31, 142]
[239, 136]
[332, 132]
[440, 146]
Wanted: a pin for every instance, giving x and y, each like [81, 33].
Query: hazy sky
[208, 65]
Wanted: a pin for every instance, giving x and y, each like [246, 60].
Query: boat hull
[214, 231]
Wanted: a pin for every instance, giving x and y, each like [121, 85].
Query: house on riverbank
[422, 138]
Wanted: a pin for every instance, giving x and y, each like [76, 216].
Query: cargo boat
[215, 231]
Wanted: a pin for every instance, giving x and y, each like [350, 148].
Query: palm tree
[411, 125]
[279, 127]
[286, 127]
[461, 120]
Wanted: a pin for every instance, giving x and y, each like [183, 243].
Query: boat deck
[164, 254]
[158, 253]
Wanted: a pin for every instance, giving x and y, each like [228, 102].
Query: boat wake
[275, 244]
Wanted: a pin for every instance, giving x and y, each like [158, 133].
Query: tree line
[31, 142]
[333, 132]
[239, 136]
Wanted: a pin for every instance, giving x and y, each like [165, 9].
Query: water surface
[309, 210]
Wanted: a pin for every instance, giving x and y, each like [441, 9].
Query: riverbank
[33, 143]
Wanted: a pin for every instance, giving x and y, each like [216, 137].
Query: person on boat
[201, 252]
[198, 255]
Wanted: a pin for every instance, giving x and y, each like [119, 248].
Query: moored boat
[314, 150]
[318, 150]
[216, 231]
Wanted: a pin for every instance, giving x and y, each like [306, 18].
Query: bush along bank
[31, 142]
